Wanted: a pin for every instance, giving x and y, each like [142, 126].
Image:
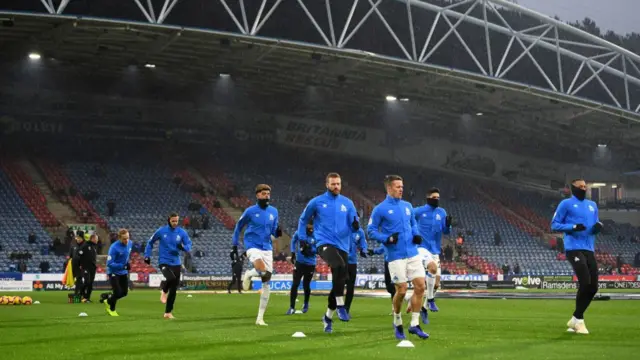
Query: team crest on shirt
[343, 208]
[390, 212]
[257, 215]
[424, 215]
[271, 217]
[370, 220]
[438, 217]
[407, 211]
[324, 205]
[591, 208]
[178, 238]
[357, 236]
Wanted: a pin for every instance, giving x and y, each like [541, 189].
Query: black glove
[448, 220]
[355, 224]
[147, 260]
[417, 239]
[597, 228]
[234, 249]
[370, 252]
[180, 247]
[306, 249]
[579, 227]
[363, 254]
[127, 267]
[278, 232]
[393, 239]
[293, 258]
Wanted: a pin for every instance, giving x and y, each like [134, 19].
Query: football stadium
[304, 179]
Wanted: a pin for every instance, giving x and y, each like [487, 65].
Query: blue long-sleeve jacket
[169, 239]
[431, 225]
[118, 257]
[571, 212]
[359, 242]
[394, 216]
[300, 257]
[381, 250]
[261, 225]
[332, 219]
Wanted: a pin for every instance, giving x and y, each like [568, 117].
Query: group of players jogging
[329, 226]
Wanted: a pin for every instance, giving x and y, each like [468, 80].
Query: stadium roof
[555, 107]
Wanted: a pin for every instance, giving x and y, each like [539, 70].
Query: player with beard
[335, 219]
[261, 221]
[172, 239]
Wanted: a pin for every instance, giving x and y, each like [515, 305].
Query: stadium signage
[58, 277]
[551, 285]
[11, 276]
[9, 125]
[465, 277]
[527, 281]
[362, 279]
[285, 285]
[16, 285]
[327, 131]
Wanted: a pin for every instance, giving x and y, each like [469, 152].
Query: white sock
[431, 284]
[264, 300]
[415, 319]
[340, 300]
[397, 319]
[329, 313]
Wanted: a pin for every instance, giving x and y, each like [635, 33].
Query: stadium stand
[19, 221]
[145, 194]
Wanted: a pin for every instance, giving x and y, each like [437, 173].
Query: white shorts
[265, 255]
[404, 270]
[428, 257]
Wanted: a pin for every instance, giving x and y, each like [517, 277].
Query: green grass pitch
[221, 326]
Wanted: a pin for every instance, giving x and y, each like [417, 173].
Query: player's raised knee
[432, 267]
[266, 277]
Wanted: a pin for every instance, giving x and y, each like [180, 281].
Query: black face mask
[263, 203]
[578, 193]
[309, 231]
[433, 202]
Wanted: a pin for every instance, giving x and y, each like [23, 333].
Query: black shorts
[333, 256]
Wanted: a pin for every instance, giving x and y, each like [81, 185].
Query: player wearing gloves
[577, 218]
[359, 242]
[117, 271]
[335, 219]
[432, 221]
[303, 257]
[261, 222]
[393, 224]
[172, 239]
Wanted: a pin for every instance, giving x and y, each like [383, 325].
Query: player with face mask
[577, 217]
[261, 222]
[433, 222]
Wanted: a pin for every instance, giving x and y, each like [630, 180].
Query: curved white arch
[622, 65]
